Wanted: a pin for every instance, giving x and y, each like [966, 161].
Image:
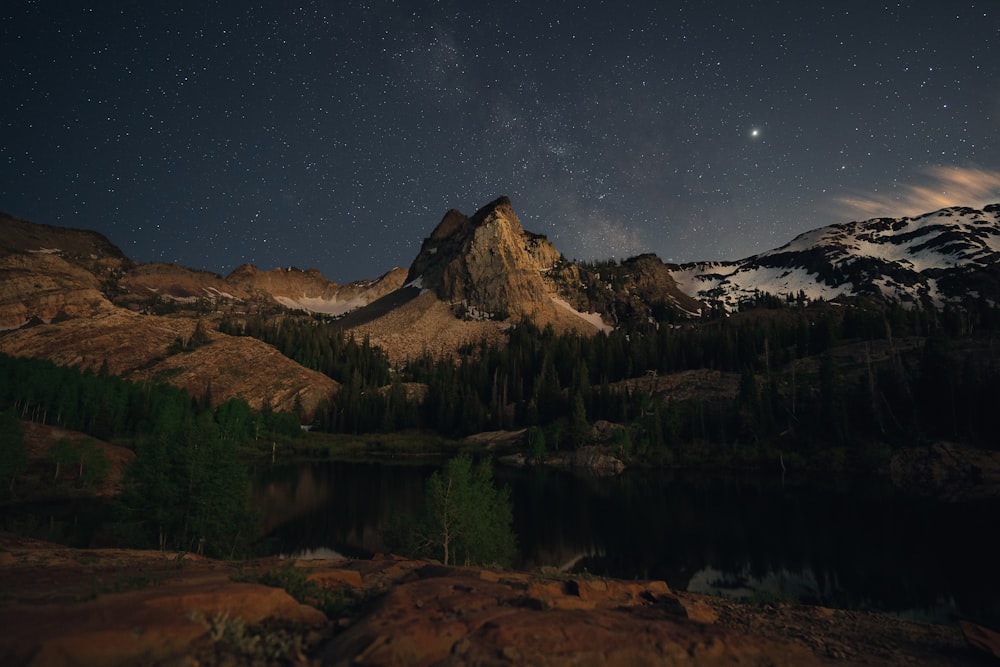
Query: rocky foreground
[62, 606]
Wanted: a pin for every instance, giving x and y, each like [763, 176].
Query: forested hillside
[188, 485]
[836, 383]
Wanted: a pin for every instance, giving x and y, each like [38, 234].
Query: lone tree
[466, 518]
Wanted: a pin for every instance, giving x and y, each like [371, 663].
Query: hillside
[942, 257]
[72, 297]
[309, 290]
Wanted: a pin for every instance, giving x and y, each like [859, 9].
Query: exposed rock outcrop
[109, 606]
[310, 290]
[44, 286]
[473, 277]
[125, 607]
[487, 266]
[51, 272]
[146, 284]
[634, 292]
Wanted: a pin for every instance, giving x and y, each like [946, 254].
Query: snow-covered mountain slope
[949, 255]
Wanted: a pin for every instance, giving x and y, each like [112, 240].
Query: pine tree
[580, 432]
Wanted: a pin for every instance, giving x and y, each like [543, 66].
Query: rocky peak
[486, 266]
[452, 221]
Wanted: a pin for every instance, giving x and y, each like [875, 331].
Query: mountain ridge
[931, 259]
[73, 296]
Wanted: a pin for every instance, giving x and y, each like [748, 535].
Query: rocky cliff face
[632, 292]
[72, 297]
[45, 287]
[310, 290]
[48, 273]
[473, 277]
[487, 266]
[144, 285]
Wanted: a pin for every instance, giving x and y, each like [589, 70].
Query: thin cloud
[939, 187]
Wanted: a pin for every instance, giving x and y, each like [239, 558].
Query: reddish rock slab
[139, 626]
[455, 617]
[337, 578]
[984, 639]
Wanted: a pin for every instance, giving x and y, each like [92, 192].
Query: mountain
[309, 290]
[48, 272]
[73, 297]
[946, 256]
[473, 277]
[487, 266]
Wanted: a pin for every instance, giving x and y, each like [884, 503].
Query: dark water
[855, 544]
[74, 523]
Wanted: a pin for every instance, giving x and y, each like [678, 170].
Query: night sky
[336, 134]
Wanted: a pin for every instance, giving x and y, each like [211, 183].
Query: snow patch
[734, 284]
[314, 304]
[212, 291]
[593, 318]
[939, 241]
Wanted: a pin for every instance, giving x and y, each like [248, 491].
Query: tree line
[796, 397]
[188, 485]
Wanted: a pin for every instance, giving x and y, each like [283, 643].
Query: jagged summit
[486, 266]
[452, 221]
[455, 221]
[473, 277]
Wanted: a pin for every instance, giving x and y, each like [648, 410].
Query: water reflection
[336, 505]
[848, 543]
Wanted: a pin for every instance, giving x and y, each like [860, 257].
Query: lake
[842, 542]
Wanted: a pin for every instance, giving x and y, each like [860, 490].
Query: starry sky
[336, 133]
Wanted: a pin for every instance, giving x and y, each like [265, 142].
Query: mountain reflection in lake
[845, 543]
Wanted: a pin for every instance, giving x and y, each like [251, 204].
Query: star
[343, 121]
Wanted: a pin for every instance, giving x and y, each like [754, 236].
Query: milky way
[336, 134]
